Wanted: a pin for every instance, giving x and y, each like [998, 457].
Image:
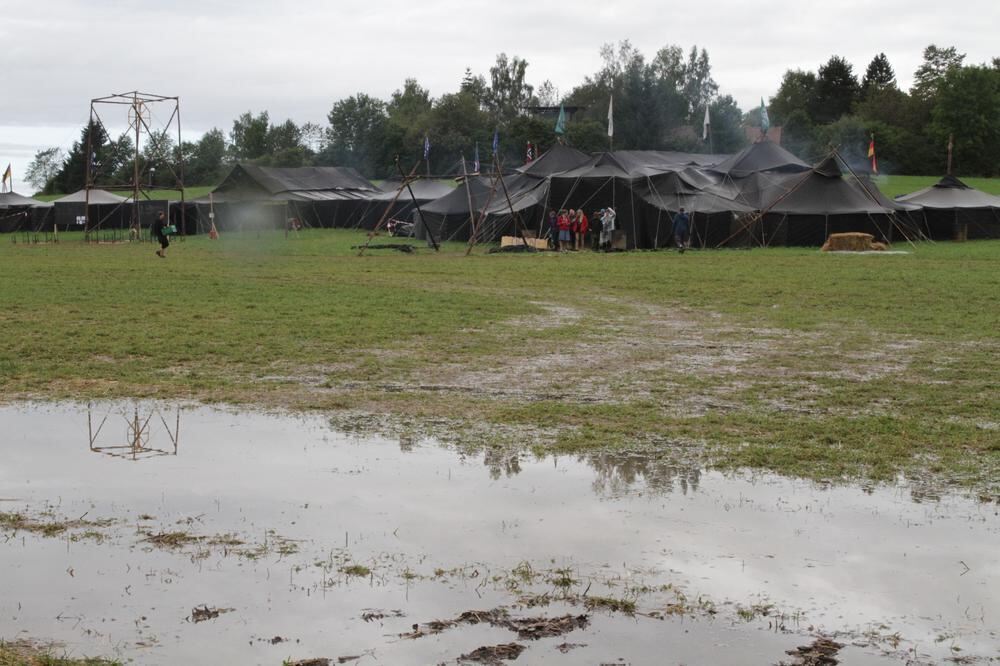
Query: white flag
[705, 125]
[611, 118]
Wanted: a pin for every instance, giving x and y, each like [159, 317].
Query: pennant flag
[765, 122]
[427, 147]
[871, 155]
[561, 121]
[475, 159]
[8, 176]
[530, 154]
[496, 141]
[611, 117]
[705, 125]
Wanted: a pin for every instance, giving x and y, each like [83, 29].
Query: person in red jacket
[582, 227]
[564, 224]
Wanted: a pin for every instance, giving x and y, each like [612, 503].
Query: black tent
[953, 209]
[255, 196]
[401, 201]
[20, 213]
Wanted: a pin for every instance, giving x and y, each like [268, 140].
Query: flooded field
[164, 535]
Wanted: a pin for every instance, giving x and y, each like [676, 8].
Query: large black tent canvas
[317, 196]
[106, 210]
[950, 203]
[19, 213]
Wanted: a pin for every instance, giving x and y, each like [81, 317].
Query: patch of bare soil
[531, 628]
[203, 612]
[648, 351]
[494, 654]
[821, 652]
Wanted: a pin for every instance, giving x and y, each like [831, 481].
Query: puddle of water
[760, 559]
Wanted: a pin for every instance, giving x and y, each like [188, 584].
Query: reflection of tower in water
[136, 442]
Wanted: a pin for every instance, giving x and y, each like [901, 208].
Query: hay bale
[852, 242]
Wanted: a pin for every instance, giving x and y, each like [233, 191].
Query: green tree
[849, 135]
[797, 93]
[590, 136]
[836, 90]
[455, 125]
[547, 94]
[726, 125]
[71, 177]
[508, 92]
[931, 73]
[248, 138]
[968, 107]
[698, 87]
[356, 134]
[43, 167]
[204, 160]
[475, 86]
[878, 77]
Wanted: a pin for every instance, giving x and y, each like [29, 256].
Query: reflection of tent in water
[137, 442]
[255, 197]
[952, 209]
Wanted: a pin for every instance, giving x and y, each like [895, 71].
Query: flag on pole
[475, 159]
[427, 147]
[611, 116]
[529, 154]
[765, 122]
[705, 125]
[561, 121]
[8, 176]
[871, 154]
[496, 141]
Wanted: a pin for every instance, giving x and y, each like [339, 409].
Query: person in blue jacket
[682, 230]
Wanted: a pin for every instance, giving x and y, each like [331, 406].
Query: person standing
[158, 231]
[607, 228]
[553, 229]
[582, 227]
[564, 227]
[682, 230]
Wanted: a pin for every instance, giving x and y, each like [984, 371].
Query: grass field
[826, 366]
[893, 186]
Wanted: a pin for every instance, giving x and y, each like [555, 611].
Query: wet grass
[25, 653]
[896, 185]
[783, 359]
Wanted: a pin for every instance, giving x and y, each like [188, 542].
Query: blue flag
[427, 147]
[561, 120]
[496, 141]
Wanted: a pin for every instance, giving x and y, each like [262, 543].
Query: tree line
[659, 104]
[948, 101]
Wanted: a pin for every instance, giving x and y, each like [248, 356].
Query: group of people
[569, 229]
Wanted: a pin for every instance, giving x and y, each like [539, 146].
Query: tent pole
[388, 208]
[468, 196]
[420, 214]
[473, 238]
[518, 224]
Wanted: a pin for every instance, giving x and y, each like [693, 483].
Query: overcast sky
[296, 59]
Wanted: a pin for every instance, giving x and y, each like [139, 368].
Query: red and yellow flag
[871, 155]
[7, 175]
